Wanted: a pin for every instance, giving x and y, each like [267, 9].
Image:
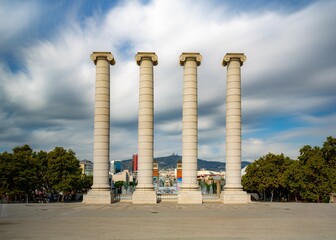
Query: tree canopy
[25, 172]
[312, 177]
[267, 175]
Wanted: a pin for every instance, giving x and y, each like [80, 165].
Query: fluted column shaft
[233, 61]
[101, 148]
[146, 121]
[189, 61]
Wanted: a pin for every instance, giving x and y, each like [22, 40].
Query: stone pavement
[168, 221]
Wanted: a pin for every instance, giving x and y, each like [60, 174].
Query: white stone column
[145, 193]
[233, 190]
[189, 193]
[100, 192]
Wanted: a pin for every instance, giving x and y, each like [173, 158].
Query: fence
[166, 197]
[123, 197]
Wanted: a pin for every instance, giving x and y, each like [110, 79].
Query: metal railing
[123, 197]
[166, 197]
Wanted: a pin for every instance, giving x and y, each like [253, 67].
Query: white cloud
[16, 18]
[254, 148]
[285, 75]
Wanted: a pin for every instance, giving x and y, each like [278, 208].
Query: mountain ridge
[169, 162]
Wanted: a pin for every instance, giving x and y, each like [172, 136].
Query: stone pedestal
[95, 196]
[100, 192]
[189, 193]
[233, 190]
[145, 193]
[189, 197]
[144, 197]
[235, 197]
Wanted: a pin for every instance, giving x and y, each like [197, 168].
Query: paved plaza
[168, 221]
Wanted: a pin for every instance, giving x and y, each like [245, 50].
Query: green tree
[85, 183]
[41, 161]
[6, 173]
[329, 154]
[329, 151]
[18, 173]
[26, 179]
[294, 176]
[118, 185]
[133, 184]
[251, 181]
[63, 173]
[267, 175]
[23, 171]
[316, 178]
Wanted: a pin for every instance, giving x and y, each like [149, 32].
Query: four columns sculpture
[144, 192]
[100, 192]
[189, 193]
[233, 190]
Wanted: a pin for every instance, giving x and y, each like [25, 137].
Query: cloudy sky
[47, 78]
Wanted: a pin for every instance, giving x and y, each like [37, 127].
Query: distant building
[156, 174]
[135, 162]
[155, 169]
[179, 171]
[118, 166]
[135, 165]
[209, 176]
[124, 176]
[87, 167]
[112, 167]
[115, 167]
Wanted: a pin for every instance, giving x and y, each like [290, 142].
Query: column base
[189, 197]
[235, 197]
[144, 197]
[98, 196]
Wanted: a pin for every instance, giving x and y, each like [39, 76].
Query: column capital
[234, 56]
[197, 57]
[108, 55]
[147, 55]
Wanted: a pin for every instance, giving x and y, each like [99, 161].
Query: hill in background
[170, 162]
